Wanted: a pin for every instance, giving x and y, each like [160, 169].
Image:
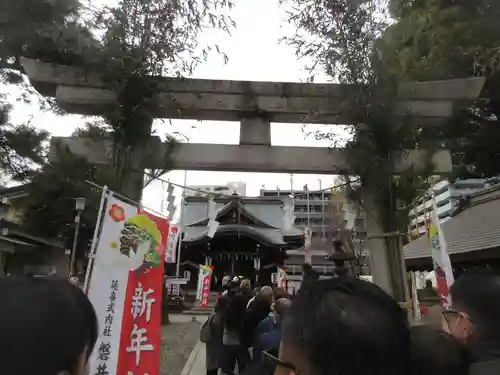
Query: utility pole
[306, 190]
[181, 226]
[322, 210]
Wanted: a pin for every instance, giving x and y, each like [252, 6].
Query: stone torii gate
[255, 105]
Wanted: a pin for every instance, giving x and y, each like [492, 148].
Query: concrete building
[325, 213]
[447, 196]
[321, 212]
[230, 188]
[471, 234]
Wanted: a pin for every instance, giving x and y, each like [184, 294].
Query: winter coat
[485, 360]
[211, 334]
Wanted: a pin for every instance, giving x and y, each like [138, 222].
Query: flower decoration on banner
[117, 213]
[140, 239]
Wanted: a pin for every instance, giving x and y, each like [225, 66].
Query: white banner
[108, 287]
[126, 290]
[171, 251]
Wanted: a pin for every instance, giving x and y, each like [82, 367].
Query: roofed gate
[255, 105]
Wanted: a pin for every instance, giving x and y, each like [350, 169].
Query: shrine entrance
[244, 244]
[238, 264]
[255, 105]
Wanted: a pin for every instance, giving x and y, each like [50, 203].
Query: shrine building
[249, 241]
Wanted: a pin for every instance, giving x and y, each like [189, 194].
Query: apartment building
[447, 195]
[325, 213]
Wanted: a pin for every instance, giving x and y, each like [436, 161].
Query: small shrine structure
[249, 242]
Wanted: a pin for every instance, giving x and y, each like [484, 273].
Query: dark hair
[477, 293]
[281, 306]
[236, 312]
[280, 293]
[45, 326]
[309, 275]
[435, 352]
[222, 304]
[348, 326]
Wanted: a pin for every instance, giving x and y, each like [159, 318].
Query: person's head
[344, 327]
[246, 284]
[281, 306]
[309, 275]
[222, 304]
[435, 352]
[256, 291]
[280, 293]
[266, 293]
[48, 327]
[475, 312]
[74, 280]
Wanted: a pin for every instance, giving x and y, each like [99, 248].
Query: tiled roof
[266, 235]
[476, 227]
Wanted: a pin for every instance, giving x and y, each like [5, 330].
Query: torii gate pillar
[255, 131]
[254, 105]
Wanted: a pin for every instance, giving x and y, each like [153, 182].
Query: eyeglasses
[275, 361]
[448, 314]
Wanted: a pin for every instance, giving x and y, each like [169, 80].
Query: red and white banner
[441, 259]
[204, 282]
[282, 278]
[126, 290]
[171, 251]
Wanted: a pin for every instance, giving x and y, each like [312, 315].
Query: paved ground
[195, 365]
[179, 338]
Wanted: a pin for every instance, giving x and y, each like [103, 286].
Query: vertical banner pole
[93, 246]
[181, 228]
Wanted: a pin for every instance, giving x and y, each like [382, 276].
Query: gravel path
[177, 342]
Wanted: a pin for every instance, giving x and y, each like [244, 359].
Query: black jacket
[485, 360]
[257, 312]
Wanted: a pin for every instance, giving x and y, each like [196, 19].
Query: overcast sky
[254, 53]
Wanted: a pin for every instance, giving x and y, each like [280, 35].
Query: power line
[221, 194]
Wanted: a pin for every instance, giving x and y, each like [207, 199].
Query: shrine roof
[266, 210]
[267, 236]
[258, 218]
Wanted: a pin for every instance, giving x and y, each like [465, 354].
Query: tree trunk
[132, 172]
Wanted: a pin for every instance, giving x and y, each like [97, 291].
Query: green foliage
[143, 39]
[50, 205]
[21, 147]
[438, 39]
[124, 45]
[344, 37]
[40, 29]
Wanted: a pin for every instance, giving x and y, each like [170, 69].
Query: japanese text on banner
[140, 337]
[104, 344]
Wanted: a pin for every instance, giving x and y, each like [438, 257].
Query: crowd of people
[348, 326]
[245, 324]
[337, 326]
